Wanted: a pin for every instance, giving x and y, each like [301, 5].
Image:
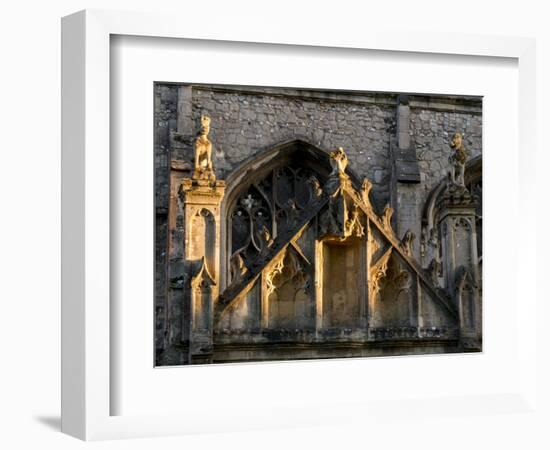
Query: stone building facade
[273, 244]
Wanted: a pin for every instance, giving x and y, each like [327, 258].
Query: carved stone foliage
[386, 219]
[268, 208]
[273, 271]
[353, 224]
[377, 273]
[342, 220]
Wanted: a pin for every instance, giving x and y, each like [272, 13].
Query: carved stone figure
[238, 268]
[458, 159]
[339, 162]
[292, 213]
[316, 190]
[266, 240]
[203, 153]
[274, 269]
[402, 281]
[407, 242]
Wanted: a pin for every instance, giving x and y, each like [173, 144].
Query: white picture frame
[87, 385]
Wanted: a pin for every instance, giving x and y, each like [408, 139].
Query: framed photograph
[279, 230]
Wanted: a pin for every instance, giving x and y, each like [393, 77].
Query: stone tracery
[270, 206]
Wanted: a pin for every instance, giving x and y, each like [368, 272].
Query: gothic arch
[294, 162]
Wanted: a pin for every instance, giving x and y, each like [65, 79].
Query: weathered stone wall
[431, 123]
[432, 130]
[245, 123]
[166, 98]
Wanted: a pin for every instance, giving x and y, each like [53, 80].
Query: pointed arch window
[267, 208]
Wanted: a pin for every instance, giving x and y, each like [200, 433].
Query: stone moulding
[227, 336]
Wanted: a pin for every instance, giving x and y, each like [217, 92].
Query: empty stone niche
[203, 238]
[342, 284]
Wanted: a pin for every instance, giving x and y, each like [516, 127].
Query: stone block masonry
[248, 122]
